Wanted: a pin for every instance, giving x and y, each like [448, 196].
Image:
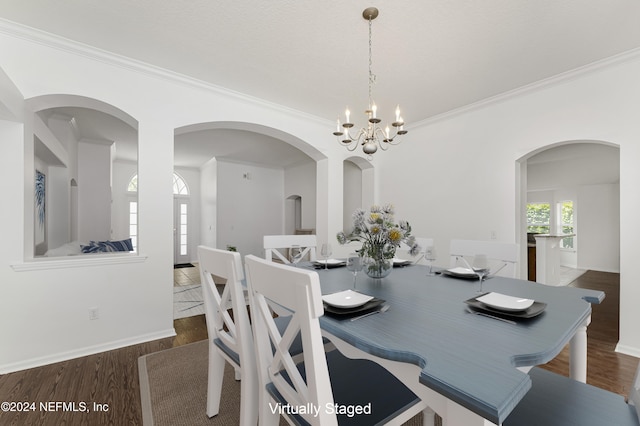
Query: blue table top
[468, 358]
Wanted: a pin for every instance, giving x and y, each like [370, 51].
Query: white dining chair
[230, 336]
[559, 400]
[274, 242]
[322, 380]
[500, 254]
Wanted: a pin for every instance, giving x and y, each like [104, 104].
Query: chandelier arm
[350, 146]
[380, 139]
[354, 141]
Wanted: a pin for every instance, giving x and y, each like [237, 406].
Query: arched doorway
[575, 188]
[251, 179]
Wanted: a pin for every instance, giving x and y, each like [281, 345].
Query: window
[179, 186]
[183, 229]
[133, 184]
[539, 218]
[133, 224]
[565, 223]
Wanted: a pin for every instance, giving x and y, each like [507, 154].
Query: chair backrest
[233, 331]
[501, 253]
[634, 393]
[297, 290]
[273, 242]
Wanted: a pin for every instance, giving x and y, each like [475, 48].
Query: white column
[548, 258]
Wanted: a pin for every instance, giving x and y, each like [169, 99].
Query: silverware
[471, 311]
[384, 308]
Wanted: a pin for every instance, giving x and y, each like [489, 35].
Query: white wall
[249, 208]
[301, 180]
[123, 171]
[58, 206]
[440, 190]
[208, 203]
[50, 299]
[598, 227]
[352, 195]
[94, 191]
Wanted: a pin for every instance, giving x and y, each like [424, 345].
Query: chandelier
[372, 136]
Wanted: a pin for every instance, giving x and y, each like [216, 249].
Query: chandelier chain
[372, 77]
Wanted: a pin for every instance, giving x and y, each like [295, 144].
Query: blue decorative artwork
[40, 197]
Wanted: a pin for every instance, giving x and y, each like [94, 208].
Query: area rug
[173, 389]
[187, 301]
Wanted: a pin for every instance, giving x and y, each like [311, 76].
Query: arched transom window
[179, 185]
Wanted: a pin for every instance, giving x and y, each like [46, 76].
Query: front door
[180, 231]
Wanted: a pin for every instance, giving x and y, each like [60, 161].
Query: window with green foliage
[565, 223]
[539, 218]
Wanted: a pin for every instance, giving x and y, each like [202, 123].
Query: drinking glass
[296, 255]
[354, 264]
[481, 268]
[430, 256]
[326, 252]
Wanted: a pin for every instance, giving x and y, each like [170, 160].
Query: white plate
[504, 302]
[398, 261]
[330, 261]
[462, 272]
[346, 299]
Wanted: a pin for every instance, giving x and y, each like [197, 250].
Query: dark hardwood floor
[107, 378]
[111, 378]
[606, 368]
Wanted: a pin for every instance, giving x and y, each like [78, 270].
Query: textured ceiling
[430, 56]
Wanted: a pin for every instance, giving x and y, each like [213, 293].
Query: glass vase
[378, 267]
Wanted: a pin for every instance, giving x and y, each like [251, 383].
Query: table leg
[428, 417]
[578, 353]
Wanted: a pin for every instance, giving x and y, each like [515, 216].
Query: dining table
[470, 369]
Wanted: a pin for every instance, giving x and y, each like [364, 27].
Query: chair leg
[266, 416]
[214, 381]
[248, 397]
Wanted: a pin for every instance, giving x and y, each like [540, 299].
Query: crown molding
[543, 84]
[53, 41]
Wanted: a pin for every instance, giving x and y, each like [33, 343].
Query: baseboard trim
[628, 350]
[89, 350]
